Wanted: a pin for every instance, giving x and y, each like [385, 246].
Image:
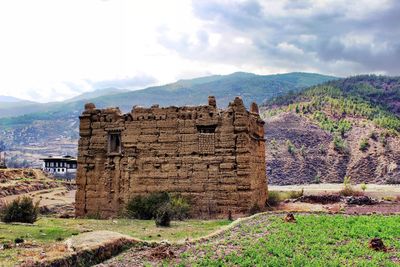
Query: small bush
[180, 207]
[145, 207]
[364, 144]
[296, 194]
[291, 148]
[339, 144]
[164, 215]
[317, 178]
[363, 187]
[159, 206]
[387, 198]
[348, 190]
[20, 210]
[273, 198]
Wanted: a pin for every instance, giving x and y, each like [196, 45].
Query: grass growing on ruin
[49, 231]
[315, 240]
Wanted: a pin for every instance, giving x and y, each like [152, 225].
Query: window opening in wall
[114, 143]
[206, 139]
[206, 129]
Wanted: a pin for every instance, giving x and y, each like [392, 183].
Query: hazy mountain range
[31, 129]
[318, 128]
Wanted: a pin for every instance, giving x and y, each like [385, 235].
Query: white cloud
[52, 50]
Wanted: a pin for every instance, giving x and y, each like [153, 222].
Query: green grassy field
[50, 231]
[315, 240]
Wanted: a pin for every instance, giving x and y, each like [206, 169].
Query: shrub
[180, 207]
[164, 215]
[363, 187]
[159, 206]
[291, 147]
[273, 198]
[296, 194]
[20, 210]
[348, 189]
[339, 144]
[145, 207]
[364, 144]
[317, 178]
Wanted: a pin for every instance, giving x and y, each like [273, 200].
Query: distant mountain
[9, 99]
[97, 93]
[346, 127]
[10, 105]
[225, 88]
[43, 123]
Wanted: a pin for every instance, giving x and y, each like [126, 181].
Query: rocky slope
[315, 159]
[348, 127]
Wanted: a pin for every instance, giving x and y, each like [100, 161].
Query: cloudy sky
[52, 50]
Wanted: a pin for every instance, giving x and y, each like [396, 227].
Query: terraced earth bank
[267, 240]
[54, 196]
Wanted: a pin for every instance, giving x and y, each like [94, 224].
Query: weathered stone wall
[214, 157]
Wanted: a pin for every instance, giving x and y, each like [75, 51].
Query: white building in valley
[62, 167]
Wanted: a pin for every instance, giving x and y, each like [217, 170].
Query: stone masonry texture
[214, 158]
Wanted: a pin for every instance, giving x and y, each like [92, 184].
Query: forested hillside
[347, 127]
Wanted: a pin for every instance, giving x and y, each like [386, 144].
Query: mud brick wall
[215, 158]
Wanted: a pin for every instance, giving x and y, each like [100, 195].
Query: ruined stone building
[215, 158]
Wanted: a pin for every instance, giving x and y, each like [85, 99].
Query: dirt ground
[386, 195]
[48, 197]
[372, 190]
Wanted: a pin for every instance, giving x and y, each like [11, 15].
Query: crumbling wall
[214, 157]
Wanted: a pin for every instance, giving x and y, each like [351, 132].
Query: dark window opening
[206, 129]
[114, 143]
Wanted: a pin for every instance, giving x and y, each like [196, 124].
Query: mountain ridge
[59, 121]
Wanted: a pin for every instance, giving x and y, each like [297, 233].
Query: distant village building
[61, 167]
[213, 157]
[3, 160]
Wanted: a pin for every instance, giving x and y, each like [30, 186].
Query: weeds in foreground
[348, 189]
[275, 197]
[315, 240]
